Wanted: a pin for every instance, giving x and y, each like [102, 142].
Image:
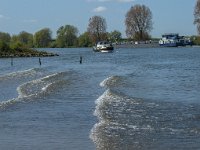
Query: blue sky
[169, 16]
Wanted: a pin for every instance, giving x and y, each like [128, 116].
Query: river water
[131, 99]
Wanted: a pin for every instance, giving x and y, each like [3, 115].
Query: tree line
[138, 21]
[67, 36]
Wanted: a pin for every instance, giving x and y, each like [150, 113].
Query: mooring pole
[81, 58]
[11, 61]
[40, 61]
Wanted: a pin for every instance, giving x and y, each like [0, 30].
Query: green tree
[18, 46]
[67, 36]
[115, 36]
[97, 28]
[4, 47]
[85, 40]
[26, 38]
[5, 37]
[14, 41]
[43, 38]
[195, 40]
[138, 22]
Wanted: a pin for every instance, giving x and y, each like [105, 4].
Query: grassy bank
[21, 51]
[28, 53]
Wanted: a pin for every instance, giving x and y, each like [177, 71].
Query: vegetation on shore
[138, 21]
[19, 50]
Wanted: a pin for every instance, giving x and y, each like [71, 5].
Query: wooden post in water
[81, 58]
[11, 61]
[40, 61]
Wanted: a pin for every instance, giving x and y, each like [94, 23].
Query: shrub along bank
[18, 50]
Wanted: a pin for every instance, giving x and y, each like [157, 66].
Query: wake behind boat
[103, 46]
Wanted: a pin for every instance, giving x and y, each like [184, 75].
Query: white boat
[103, 46]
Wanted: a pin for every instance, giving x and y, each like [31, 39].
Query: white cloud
[100, 9]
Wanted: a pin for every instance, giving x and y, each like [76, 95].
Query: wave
[42, 85]
[115, 104]
[132, 123]
[20, 74]
[38, 88]
[111, 81]
[118, 116]
[121, 84]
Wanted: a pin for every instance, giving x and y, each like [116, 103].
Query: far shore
[141, 45]
[147, 45]
[37, 53]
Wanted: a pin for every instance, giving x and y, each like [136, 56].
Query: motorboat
[103, 46]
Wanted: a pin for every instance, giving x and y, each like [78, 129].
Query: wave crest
[20, 74]
[38, 88]
[111, 81]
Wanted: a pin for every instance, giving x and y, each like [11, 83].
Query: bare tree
[97, 28]
[197, 15]
[139, 22]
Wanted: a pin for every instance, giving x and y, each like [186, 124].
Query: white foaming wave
[99, 101]
[115, 112]
[110, 81]
[36, 87]
[23, 73]
[40, 87]
[103, 83]
[46, 87]
[5, 104]
[110, 107]
[106, 97]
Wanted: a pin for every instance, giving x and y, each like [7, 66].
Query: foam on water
[20, 74]
[134, 123]
[38, 88]
[110, 81]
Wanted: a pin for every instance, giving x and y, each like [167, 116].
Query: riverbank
[141, 45]
[146, 45]
[26, 53]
